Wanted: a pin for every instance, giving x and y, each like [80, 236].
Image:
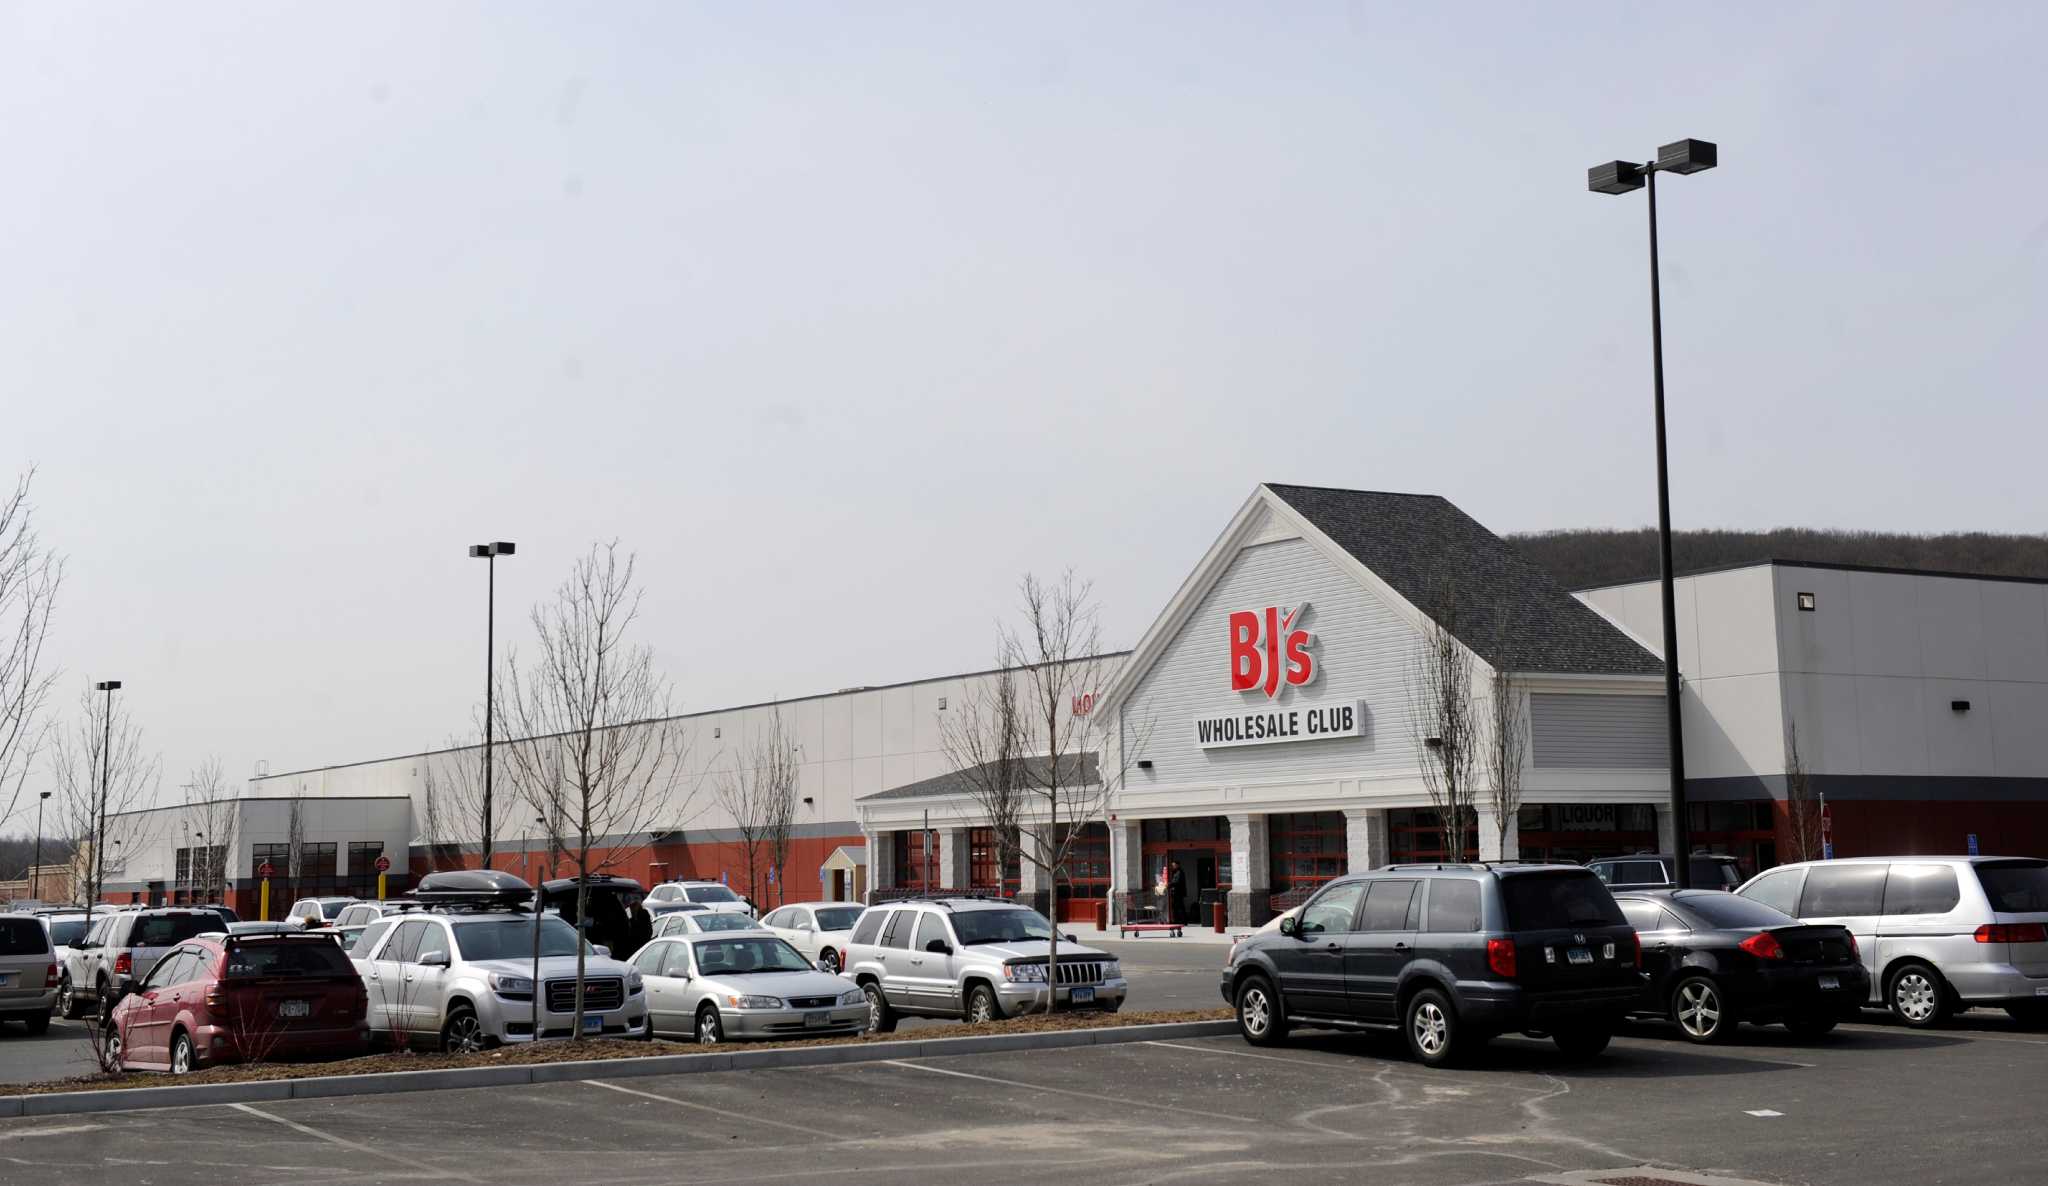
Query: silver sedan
[729, 987]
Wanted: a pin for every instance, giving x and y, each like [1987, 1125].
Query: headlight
[1034, 973]
[1112, 970]
[516, 987]
[754, 1002]
[852, 996]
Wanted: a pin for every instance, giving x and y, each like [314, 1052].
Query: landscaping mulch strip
[588, 1050]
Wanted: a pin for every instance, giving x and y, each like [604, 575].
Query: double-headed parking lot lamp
[489, 553]
[35, 869]
[1621, 177]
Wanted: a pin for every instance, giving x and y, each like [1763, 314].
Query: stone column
[1365, 838]
[1126, 865]
[954, 856]
[1493, 846]
[881, 860]
[1251, 871]
[1031, 880]
[1667, 828]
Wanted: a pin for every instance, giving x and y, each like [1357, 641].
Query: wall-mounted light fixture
[1959, 706]
[1144, 763]
[1433, 742]
[942, 704]
[807, 800]
[1806, 603]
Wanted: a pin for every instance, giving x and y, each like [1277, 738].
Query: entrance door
[839, 885]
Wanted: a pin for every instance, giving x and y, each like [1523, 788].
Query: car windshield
[67, 932]
[723, 922]
[712, 893]
[23, 935]
[1558, 901]
[1000, 926]
[288, 957]
[837, 918]
[746, 957]
[1728, 912]
[512, 938]
[2015, 887]
[169, 930]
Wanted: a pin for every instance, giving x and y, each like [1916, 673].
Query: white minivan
[1938, 934]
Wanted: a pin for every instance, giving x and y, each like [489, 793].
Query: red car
[251, 998]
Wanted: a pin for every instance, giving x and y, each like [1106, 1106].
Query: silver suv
[973, 958]
[28, 972]
[464, 980]
[1937, 934]
[120, 949]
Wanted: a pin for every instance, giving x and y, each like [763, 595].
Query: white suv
[712, 895]
[464, 980]
[972, 958]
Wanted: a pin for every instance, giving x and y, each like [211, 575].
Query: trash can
[1222, 914]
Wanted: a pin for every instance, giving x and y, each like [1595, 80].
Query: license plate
[293, 1009]
[1830, 982]
[1578, 955]
[2041, 992]
[1084, 996]
[593, 1024]
[817, 1019]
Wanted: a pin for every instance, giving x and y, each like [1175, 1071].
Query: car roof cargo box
[474, 888]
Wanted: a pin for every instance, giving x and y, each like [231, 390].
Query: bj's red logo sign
[1269, 648]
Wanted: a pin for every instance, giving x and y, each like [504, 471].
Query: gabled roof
[1508, 611]
[1075, 770]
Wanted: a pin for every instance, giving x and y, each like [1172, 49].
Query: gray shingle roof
[956, 783]
[1507, 610]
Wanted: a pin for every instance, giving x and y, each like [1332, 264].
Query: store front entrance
[1200, 847]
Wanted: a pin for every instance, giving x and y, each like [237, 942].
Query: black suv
[1449, 954]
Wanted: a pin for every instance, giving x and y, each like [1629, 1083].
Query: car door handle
[1400, 947]
[1333, 947]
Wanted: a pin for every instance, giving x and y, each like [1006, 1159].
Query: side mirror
[823, 966]
[1066, 938]
[1291, 925]
[601, 951]
[939, 947]
[434, 959]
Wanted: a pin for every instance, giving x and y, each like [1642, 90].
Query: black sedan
[1712, 961]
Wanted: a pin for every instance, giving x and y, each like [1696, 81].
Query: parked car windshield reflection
[837, 918]
[1000, 926]
[512, 938]
[740, 957]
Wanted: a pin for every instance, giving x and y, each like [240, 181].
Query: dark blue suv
[1450, 955]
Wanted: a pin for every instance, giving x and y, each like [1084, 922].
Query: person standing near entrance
[1176, 886]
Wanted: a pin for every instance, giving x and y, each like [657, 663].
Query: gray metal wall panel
[1364, 650]
[1596, 732]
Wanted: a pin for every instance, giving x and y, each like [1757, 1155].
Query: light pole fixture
[1621, 177]
[99, 812]
[489, 553]
[35, 869]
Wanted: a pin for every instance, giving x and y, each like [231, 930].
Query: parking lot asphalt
[1871, 1104]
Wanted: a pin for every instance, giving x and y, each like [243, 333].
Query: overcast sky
[845, 316]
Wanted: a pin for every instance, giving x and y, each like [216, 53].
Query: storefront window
[1580, 832]
[1306, 848]
[910, 862]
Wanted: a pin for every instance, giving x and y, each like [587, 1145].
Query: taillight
[2013, 932]
[1635, 943]
[124, 963]
[1764, 946]
[1500, 957]
[49, 975]
[216, 996]
[1855, 952]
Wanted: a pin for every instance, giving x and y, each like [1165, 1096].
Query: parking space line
[65, 1130]
[345, 1143]
[1085, 1095]
[730, 1115]
[1224, 1050]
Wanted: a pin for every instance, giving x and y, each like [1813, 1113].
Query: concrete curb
[130, 1099]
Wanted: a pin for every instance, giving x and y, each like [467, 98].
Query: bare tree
[1507, 749]
[29, 577]
[1038, 770]
[295, 840]
[1440, 688]
[459, 820]
[759, 792]
[592, 745]
[212, 817]
[1802, 801]
[101, 772]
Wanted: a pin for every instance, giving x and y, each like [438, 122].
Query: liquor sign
[1268, 726]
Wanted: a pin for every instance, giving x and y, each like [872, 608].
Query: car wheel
[1431, 1027]
[1917, 996]
[1582, 1041]
[982, 1006]
[67, 1001]
[2030, 1015]
[463, 1033]
[830, 959]
[881, 1018]
[710, 1030]
[111, 1045]
[104, 1005]
[1702, 1011]
[1259, 1017]
[1811, 1025]
[181, 1053]
[37, 1023]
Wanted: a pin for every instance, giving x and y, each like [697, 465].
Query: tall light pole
[1621, 177]
[99, 806]
[489, 553]
[35, 869]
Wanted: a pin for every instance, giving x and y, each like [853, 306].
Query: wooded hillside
[1592, 557]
